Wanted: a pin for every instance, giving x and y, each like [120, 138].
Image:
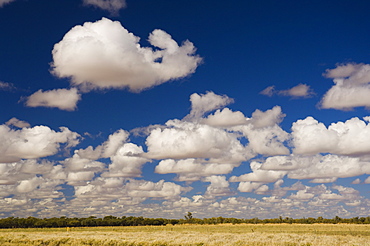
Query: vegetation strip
[32, 222]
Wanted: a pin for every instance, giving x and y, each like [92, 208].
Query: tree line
[32, 222]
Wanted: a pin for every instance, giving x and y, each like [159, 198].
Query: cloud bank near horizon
[201, 148]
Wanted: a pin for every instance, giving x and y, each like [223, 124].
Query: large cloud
[321, 169]
[345, 138]
[104, 54]
[113, 6]
[127, 161]
[193, 169]
[36, 142]
[182, 140]
[63, 99]
[351, 89]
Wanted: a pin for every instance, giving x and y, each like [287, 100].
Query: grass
[193, 235]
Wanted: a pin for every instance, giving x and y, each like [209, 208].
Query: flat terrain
[244, 234]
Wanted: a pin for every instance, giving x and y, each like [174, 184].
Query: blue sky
[155, 108]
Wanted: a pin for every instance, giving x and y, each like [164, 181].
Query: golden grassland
[188, 235]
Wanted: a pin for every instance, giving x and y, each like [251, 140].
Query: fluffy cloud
[3, 2]
[225, 118]
[345, 138]
[63, 99]
[259, 175]
[114, 142]
[113, 6]
[103, 180]
[104, 54]
[249, 186]
[107, 149]
[218, 187]
[182, 140]
[268, 118]
[351, 89]
[203, 103]
[263, 133]
[298, 91]
[163, 189]
[192, 169]
[79, 170]
[36, 142]
[12, 173]
[266, 141]
[327, 167]
[127, 162]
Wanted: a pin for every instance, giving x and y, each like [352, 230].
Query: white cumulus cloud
[104, 54]
[225, 118]
[126, 162]
[203, 103]
[35, 142]
[351, 89]
[181, 140]
[193, 169]
[346, 138]
[326, 168]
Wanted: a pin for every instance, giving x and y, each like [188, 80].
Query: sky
[154, 108]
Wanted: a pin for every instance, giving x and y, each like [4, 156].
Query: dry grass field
[244, 234]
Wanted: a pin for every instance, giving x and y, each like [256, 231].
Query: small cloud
[3, 2]
[298, 91]
[204, 103]
[301, 90]
[356, 181]
[17, 123]
[6, 86]
[63, 99]
[113, 6]
[367, 180]
[269, 91]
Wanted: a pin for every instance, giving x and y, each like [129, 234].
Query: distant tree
[189, 216]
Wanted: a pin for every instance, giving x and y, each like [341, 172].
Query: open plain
[189, 235]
